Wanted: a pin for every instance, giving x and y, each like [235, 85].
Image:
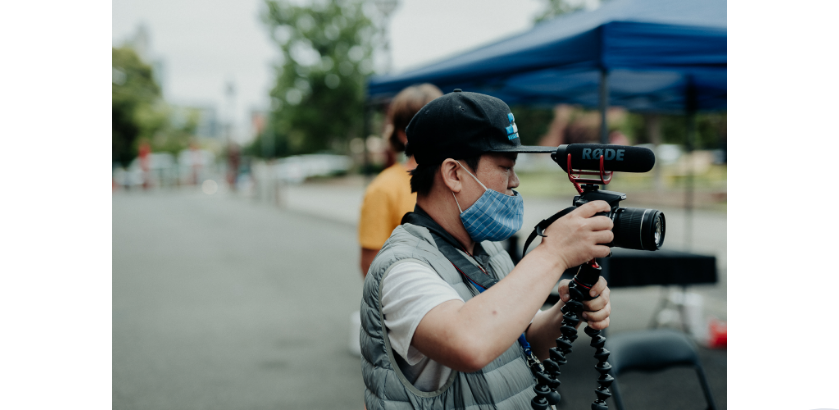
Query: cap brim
[527, 149]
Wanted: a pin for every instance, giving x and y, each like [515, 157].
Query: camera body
[634, 228]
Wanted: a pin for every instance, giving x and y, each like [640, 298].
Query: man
[443, 306]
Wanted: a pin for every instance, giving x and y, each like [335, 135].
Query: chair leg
[616, 395]
[705, 388]
[662, 303]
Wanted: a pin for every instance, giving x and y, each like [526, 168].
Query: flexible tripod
[547, 373]
[547, 376]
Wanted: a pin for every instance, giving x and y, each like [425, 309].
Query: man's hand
[578, 237]
[596, 311]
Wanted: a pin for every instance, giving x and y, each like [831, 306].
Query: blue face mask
[494, 216]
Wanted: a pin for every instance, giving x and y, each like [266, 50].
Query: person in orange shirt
[389, 196]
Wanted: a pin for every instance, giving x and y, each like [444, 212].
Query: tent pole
[690, 144]
[691, 137]
[604, 106]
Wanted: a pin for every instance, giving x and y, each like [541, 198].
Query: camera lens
[637, 228]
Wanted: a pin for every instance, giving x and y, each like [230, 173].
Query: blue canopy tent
[661, 56]
[657, 56]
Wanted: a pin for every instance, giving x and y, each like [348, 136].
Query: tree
[134, 95]
[326, 54]
[554, 8]
[139, 113]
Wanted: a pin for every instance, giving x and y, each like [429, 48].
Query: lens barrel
[637, 228]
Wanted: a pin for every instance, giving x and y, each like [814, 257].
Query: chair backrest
[650, 350]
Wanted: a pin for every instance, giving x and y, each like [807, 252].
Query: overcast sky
[204, 43]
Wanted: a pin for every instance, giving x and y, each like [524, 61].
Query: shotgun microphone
[615, 157]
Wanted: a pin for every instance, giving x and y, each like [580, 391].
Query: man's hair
[404, 106]
[422, 177]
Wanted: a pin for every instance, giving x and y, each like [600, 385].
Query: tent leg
[690, 144]
[604, 106]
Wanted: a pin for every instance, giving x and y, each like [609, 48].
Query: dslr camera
[634, 228]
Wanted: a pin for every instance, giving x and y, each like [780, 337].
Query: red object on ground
[717, 334]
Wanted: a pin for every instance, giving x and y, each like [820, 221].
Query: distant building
[209, 126]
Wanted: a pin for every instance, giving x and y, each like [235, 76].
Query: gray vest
[505, 383]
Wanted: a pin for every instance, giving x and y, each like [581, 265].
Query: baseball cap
[464, 124]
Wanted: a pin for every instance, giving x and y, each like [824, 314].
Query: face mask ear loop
[458, 203]
[470, 174]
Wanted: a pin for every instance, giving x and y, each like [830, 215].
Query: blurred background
[245, 133]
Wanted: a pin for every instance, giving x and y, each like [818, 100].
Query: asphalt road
[222, 302]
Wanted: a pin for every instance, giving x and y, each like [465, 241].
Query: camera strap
[539, 229]
[449, 246]
[472, 273]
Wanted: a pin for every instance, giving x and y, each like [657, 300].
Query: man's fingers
[600, 223]
[589, 209]
[563, 289]
[597, 304]
[600, 325]
[602, 251]
[599, 287]
[604, 237]
[600, 315]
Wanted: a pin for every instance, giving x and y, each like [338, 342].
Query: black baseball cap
[461, 125]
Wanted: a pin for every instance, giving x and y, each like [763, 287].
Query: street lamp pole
[386, 7]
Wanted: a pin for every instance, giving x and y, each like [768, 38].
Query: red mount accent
[605, 176]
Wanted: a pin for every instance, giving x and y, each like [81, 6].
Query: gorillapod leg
[586, 278]
[547, 379]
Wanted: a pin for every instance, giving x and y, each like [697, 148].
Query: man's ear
[402, 136]
[450, 176]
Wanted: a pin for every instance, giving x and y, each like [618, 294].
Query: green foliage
[176, 133]
[134, 96]
[318, 97]
[554, 8]
[711, 129]
[139, 113]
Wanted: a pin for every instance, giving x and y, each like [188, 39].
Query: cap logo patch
[512, 130]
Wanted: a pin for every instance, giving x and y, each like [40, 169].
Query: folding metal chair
[650, 351]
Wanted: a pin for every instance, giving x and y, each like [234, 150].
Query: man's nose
[514, 181]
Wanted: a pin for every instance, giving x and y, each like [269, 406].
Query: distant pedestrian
[389, 196]
[144, 155]
[233, 161]
[196, 162]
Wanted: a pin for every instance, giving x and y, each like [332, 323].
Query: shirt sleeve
[374, 225]
[410, 290]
